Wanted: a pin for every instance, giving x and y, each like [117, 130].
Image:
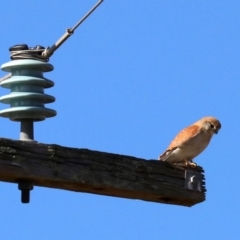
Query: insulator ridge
[27, 84]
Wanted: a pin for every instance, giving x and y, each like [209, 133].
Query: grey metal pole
[26, 132]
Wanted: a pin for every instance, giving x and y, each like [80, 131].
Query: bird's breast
[196, 145]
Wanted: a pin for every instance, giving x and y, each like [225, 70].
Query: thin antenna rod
[49, 51]
[84, 17]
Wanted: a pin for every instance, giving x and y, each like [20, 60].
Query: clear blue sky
[134, 74]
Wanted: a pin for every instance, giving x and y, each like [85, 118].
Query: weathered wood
[83, 170]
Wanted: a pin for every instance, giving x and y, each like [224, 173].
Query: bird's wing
[186, 135]
[181, 139]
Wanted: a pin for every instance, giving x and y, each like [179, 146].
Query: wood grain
[84, 170]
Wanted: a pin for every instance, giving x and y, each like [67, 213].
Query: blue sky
[132, 76]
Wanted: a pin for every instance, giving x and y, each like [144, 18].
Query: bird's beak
[217, 128]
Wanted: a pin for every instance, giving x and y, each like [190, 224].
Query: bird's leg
[191, 163]
[186, 162]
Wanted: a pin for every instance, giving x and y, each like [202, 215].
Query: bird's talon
[192, 164]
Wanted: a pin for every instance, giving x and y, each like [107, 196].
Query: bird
[191, 141]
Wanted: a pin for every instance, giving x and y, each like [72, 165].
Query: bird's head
[210, 124]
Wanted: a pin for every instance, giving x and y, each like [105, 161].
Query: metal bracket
[193, 181]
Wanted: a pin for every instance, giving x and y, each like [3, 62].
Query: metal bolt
[193, 180]
[25, 188]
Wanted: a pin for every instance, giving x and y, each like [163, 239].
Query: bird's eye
[211, 125]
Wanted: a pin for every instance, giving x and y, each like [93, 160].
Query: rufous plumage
[191, 141]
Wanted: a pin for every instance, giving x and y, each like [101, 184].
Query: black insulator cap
[18, 47]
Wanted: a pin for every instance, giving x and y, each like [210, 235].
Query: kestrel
[191, 141]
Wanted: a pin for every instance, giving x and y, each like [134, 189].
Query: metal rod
[26, 132]
[49, 51]
[84, 17]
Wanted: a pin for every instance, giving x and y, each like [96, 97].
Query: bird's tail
[166, 154]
